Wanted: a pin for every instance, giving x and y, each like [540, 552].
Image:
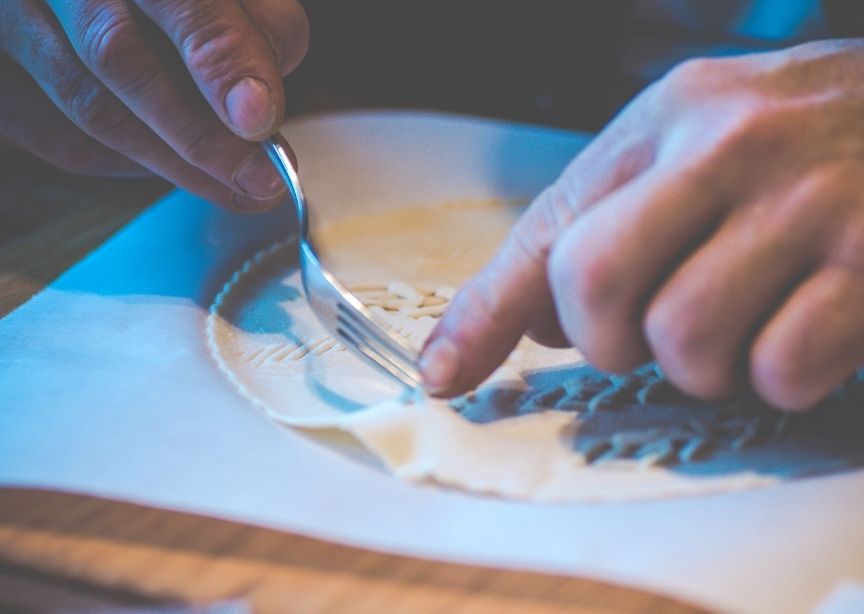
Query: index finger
[511, 295]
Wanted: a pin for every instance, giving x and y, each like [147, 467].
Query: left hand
[715, 226]
[179, 88]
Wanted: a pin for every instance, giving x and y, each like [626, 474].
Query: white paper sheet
[106, 387]
[847, 598]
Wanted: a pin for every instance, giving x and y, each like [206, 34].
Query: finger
[38, 44]
[229, 59]
[545, 328]
[150, 80]
[484, 321]
[621, 151]
[814, 342]
[606, 265]
[285, 26]
[700, 324]
[31, 121]
[494, 309]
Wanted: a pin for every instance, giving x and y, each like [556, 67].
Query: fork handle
[277, 150]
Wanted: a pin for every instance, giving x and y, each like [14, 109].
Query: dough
[545, 427]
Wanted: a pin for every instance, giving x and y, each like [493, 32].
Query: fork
[337, 308]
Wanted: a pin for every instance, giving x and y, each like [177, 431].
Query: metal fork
[340, 311]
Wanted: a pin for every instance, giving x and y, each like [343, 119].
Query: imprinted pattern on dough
[638, 422]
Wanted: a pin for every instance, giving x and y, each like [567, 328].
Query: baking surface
[170, 433]
[145, 557]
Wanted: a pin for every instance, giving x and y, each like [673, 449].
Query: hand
[176, 87]
[716, 226]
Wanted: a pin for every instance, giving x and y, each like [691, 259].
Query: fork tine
[382, 348]
[377, 331]
[377, 359]
[348, 306]
[349, 320]
[347, 328]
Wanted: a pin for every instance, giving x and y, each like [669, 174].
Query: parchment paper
[106, 387]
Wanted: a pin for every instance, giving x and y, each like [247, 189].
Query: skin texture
[715, 226]
[179, 88]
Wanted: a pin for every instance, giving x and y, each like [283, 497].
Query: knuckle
[583, 293]
[671, 332]
[834, 182]
[285, 25]
[91, 106]
[201, 143]
[779, 377]
[533, 235]
[476, 303]
[683, 345]
[848, 250]
[589, 280]
[689, 77]
[99, 114]
[550, 212]
[296, 44]
[752, 128]
[109, 39]
[740, 133]
[212, 46]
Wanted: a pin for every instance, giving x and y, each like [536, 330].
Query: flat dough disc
[545, 427]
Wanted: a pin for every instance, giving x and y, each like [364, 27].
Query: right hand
[716, 226]
[179, 88]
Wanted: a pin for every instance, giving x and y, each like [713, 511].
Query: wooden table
[64, 551]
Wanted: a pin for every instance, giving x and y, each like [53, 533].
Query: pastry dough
[545, 427]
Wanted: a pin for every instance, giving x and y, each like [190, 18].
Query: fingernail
[250, 108]
[439, 365]
[258, 178]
